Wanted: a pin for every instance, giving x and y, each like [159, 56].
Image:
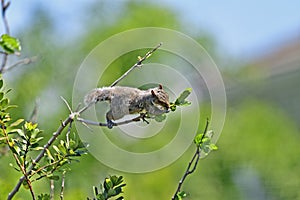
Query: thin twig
[62, 185]
[24, 61]
[136, 119]
[192, 164]
[138, 64]
[4, 6]
[34, 115]
[51, 189]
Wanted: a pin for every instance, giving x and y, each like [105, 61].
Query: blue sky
[241, 28]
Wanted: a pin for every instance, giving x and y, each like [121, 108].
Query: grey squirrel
[128, 100]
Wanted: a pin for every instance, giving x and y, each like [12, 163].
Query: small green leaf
[4, 102]
[160, 118]
[53, 177]
[108, 184]
[172, 107]
[44, 197]
[25, 184]
[1, 83]
[30, 126]
[111, 192]
[56, 149]
[181, 99]
[17, 123]
[1, 95]
[198, 139]
[49, 154]
[10, 44]
[213, 147]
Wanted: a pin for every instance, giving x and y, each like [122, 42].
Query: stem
[192, 164]
[51, 189]
[4, 7]
[138, 64]
[62, 185]
[136, 119]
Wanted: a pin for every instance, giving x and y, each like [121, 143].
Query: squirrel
[128, 100]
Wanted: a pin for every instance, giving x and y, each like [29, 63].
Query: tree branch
[136, 119]
[192, 164]
[24, 61]
[137, 64]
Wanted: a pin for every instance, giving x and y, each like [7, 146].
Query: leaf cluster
[111, 187]
[10, 44]
[203, 140]
[24, 139]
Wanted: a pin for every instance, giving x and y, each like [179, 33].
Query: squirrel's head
[160, 99]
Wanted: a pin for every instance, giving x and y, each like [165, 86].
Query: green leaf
[10, 44]
[30, 126]
[49, 154]
[181, 195]
[1, 83]
[160, 118]
[56, 149]
[180, 101]
[108, 184]
[44, 197]
[53, 177]
[4, 102]
[198, 139]
[213, 147]
[172, 107]
[111, 192]
[17, 123]
[1, 95]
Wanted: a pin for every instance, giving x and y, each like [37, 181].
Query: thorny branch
[192, 164]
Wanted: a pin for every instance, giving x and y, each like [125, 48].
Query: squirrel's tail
[98, 94]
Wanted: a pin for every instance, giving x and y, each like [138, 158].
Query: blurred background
[256, 45]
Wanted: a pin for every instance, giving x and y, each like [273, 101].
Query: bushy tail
[98, 94]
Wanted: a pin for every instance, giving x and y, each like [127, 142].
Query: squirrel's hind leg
[109, 121]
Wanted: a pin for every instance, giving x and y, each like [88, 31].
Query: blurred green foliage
[258, 137]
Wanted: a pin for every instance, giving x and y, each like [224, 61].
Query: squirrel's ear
[159, 86]
[153, 93]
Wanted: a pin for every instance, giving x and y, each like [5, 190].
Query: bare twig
[136, 119]
[192, 164]
[51, 189]
[34, 114]
[4, 6]
[24, 61]
[62, 185]
[138, 64]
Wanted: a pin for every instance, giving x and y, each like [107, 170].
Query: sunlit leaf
[10, 44]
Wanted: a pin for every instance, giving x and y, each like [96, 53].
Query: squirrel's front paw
[110, 124]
